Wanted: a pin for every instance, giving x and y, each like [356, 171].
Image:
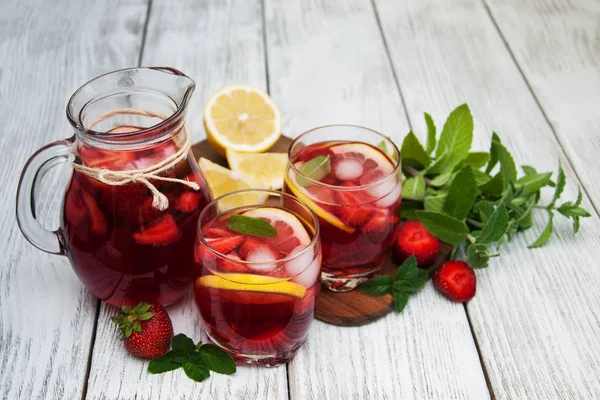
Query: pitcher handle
[36, 167]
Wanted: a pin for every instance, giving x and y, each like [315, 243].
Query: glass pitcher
[130, 211]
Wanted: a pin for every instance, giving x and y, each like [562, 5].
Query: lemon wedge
[242, 118]
[252, 283]
[222, 181]
[265, 170]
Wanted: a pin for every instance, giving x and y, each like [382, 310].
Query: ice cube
[261, 256]
[379, 190]
[305, 268]
[348, 169]
[390, 198]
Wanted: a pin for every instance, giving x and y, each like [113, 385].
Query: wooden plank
[555, 44]
[47, 50]
[327, 64]
[535, 315]
[217, 43]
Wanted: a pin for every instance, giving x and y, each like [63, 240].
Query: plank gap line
[391, 63]
[144, 33]
[539, 104]
[91, 351]
[263, 20]
[485, 373]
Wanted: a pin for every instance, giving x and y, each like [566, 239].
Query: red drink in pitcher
[354, 188]
[123, 248]
[256, 294]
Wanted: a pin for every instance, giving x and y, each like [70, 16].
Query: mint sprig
[408, 279]
[196, 360]
[474, 199]
[251, 226]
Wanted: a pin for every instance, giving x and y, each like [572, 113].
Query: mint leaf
[217, 359]
[494, 156]
[409, 277]
[475, 159]
[251, 226]
[529, 170]
[383, 146]
[494, 227]
[315, 169]
[495, 186]
[477, 256]
[484, 209]
[525, 221]
[182, 342]
[163, 363]
[446, 228]
[507, 164]
[435, 202]
[196, 371]
[441, 180]
[414, 188]
[413, 150]
[532, 183]
[431, 140]
[546, 233]
[377, 286]
[560, 186]
[457, 135]
[570, 210]
[400, 301]
[481, 177]
[439, 166]
[461, 194]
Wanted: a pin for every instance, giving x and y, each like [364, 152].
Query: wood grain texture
[327, 64]
[217, 43]
[557, 46]
[534, 315]
[47, 50]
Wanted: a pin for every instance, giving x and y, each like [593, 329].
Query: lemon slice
[383, 162]
[252, 283]
[242, 118]
[265, 170]
[303, 195]
[222, 181]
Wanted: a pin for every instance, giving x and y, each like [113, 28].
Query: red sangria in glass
[350, 177]
[131, 208]
[256, 289]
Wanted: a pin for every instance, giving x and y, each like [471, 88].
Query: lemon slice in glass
[252, 283]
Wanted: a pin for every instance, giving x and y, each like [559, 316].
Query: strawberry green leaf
[196, 371]
[546, 233]
[461, 194]
[315, 169]
[145, 316]
[457, 135]
[182, 342]
[560, 186]
[400, 301]
[377, 286]
[412, 149]
[251, 226]
[431, 140]
[163, 363]
[137, 327]
[446, 228]
[217, 359]
[495, 226]
[142, 308]
[414, 188]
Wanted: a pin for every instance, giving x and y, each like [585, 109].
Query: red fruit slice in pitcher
[97, 221]
[187, 202]
[162, 232]
[110, 159]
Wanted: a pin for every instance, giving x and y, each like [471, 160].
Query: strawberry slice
[74, 207]
[227, 244]
[251, 244]
[187, 202]
[230, 265]
[97, 222]
[379, 227]
[110, 159]
[163, 231]
[456, 281]
[412, 238]
[351, 208]
[216, 233]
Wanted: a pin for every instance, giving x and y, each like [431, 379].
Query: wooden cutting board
[343, 309]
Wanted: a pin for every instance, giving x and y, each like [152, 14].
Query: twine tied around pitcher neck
[120, 178]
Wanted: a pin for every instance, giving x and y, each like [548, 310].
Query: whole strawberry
[456, 281]
[413, 239]
[146, 329]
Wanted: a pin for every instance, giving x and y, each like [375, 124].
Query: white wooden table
[529, 69]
